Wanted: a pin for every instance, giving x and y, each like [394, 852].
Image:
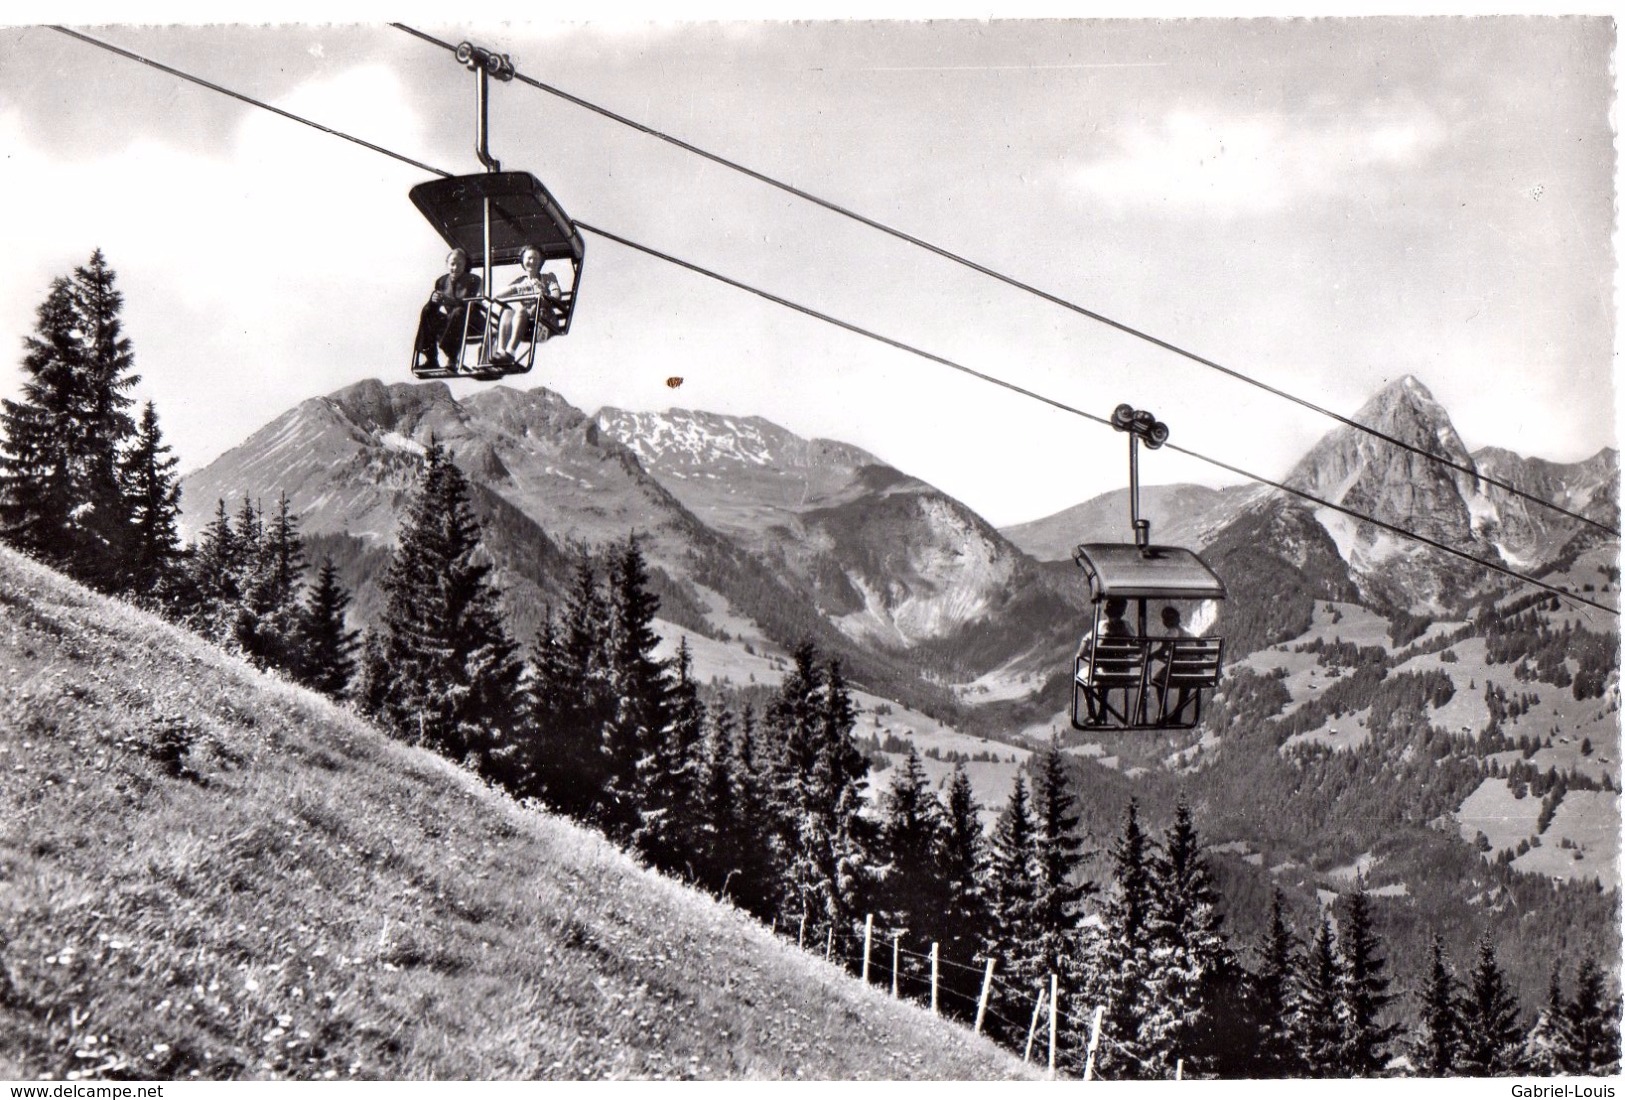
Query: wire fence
[1024, 1014]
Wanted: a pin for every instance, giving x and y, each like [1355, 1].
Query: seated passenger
[1171, 625]
[440, 324]
[1115, 626]
[521, 324]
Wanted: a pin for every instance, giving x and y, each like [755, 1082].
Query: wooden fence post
[1179, 1070]
[1032, 1028]
[829, 944]
[981, 1002]
[1094, 1041]
[933, 979]
[1054, 1003]
[896, 939]
[801, 935]
[868, 935]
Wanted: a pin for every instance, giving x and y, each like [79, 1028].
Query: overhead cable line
[870, 334]
[1011, 281]
[1074, 410]
[110, 48]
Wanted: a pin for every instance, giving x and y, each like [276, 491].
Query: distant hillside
[211, 874]
[1180, 515]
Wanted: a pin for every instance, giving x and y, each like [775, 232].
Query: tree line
[764, 806]
[91, 490]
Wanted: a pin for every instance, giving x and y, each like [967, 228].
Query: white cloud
[1249, 164]
[281, 264]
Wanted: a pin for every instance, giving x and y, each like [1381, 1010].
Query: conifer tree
[39, 476]
[1121, 961]
[792, 718]
[1320, 1019]
[216, 578]
[667, 776]
[1274, 1053]
[105, 424]
[1438, 1045]
[962, 855]
[1365, 991]
[842, 778]
[61, 495]
[819, 777]
[153, 493]
[1546, 1050]
[715, 804]
[268, 617]
[1592, 1025]
[451, 679]
[1058, 889]
[327, 646]
[756, 867]
[1011, 886]
[1492, 1039]
[637, 686]
[571, 703]
[1194, 988]
[913, 893]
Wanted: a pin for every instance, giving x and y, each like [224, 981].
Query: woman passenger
[520, 324]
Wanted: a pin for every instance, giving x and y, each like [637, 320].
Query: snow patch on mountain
[395, 441]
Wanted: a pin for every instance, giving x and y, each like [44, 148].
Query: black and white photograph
[866, 546]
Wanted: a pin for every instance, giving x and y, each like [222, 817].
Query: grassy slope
[308, 898]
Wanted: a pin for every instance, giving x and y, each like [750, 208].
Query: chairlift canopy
[522, 212]
[1158, 572]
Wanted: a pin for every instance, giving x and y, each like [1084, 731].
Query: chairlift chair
[492, 216]
[1126, 676]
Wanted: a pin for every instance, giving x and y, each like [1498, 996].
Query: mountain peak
[690, 439]
[1405, 408]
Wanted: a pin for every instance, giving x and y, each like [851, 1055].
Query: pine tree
[715, 804]
[1438, 1046]
[1274, 1053]
[268, 616]
[215, 567]
[1592, 1025]
[451, 679]
[1492, 1038]
[105, 425]
[1194, 988]
[962, 855]
[327, 647]
[571, 703]
[39, 476]
[1545, 1048]
[1365, 992]
[61, 494]
[1012, 884]
[667, 778]
[757, 860]
[637, 686]
[912, 891]
[1121, 965]
[843, 776]
[819, 777]
[792, 721]
[153, 493]
[1058, 889]
[1319, 1017]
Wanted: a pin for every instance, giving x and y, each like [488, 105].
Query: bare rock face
[1387, 482]
[890, 561]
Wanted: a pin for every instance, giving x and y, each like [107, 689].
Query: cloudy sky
[1326, 205]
